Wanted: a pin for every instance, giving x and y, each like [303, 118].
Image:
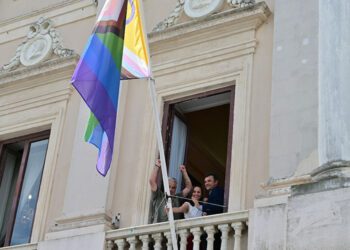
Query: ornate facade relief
[172, 18]
[201, 8]
[42, 42]
[198, 9]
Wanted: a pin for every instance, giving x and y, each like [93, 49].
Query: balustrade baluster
[110, 245]
[120, 243]
[183, 235]
[169, 241]
[132, 242]
[238, 227]
[210, 230]
[158, 241]
[145, 241]
[197, 232]
[224, 228]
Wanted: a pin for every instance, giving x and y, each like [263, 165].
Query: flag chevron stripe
[109, 29]
[107, 74]
[96, 97]
[119, 24]
[114, 44]
[127, 75]
[133, 67]
[130, 60]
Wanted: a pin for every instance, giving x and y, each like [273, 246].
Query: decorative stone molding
[198, 9]
[42, 42]
[201, 8]
[171, 20]
[334, 169]
[240, 3]
[82, 221]
[276, 187]
[330, 176]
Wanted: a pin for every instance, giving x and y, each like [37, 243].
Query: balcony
[233, 228]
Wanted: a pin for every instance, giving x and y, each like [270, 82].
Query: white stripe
[107, 12]
[136, 60]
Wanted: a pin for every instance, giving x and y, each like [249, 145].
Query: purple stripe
[104, 157]
[96, 97]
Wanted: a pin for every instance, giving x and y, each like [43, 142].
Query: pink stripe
[111, 10]
[130, 65]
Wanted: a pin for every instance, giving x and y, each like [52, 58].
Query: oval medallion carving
[201, 8]
[36, 50]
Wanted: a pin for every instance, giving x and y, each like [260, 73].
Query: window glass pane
[7, 188]
[178, 148]
[29, 195]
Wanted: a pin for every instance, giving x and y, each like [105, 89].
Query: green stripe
[115, 45]
[92, 123]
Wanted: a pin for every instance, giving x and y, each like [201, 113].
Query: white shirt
[193, 211]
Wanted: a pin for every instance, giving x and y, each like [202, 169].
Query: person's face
[197, 193]
[172, 187]
[210, 183]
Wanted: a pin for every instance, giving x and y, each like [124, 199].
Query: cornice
[47, 9]
[251, 16]
[42, 74]
[67, 223]
[208, 57]
[51, 70]
[36, 86]
[62, 14]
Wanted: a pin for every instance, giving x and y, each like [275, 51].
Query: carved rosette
[42, 42]
[198, 9]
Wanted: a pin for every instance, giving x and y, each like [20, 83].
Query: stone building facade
[260, 86]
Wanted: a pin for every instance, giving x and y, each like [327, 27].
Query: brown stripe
[126, 74]
[111, 29]
[116, 27]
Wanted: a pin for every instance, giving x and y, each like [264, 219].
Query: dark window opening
[21, 167]
[197, 131]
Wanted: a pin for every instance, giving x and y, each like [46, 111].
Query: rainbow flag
[108, 57]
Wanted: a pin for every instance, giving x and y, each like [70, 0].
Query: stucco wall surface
[319, 220]
[294, 101]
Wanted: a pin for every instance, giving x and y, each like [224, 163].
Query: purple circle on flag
[132, 13]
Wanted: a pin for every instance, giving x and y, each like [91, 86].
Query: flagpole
[165, 177]
[163, 163]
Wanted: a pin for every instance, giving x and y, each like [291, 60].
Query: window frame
[168, 116]
[27, 140]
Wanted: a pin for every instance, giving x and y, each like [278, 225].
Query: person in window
[158, 200]
[216, 195]
[191, 210]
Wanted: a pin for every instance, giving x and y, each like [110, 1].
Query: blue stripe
[96, 136]
[101, 63]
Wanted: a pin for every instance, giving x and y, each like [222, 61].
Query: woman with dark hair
[191, 209]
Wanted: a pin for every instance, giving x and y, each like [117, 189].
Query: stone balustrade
[232, 227]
